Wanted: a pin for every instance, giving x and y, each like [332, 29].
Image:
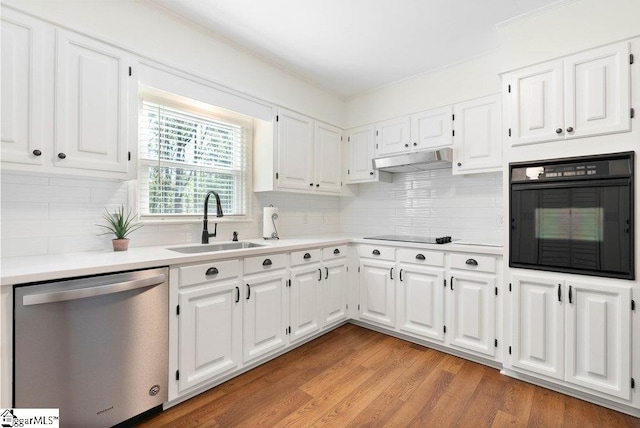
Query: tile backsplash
[51, 215]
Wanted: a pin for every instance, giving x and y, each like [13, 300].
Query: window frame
[194, 107]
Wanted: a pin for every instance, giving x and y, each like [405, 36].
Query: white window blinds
[183, 154]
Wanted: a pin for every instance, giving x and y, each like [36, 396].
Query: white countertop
[19, 270]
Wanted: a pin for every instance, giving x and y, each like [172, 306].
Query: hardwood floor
[354, 377]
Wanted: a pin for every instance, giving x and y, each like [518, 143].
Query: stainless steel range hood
[415, 161]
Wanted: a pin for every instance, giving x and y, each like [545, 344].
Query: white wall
[141, 28]
[53, 215]
[470, 79]
[429, 203]
[568, 28]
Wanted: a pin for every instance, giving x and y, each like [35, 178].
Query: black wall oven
[573, 215]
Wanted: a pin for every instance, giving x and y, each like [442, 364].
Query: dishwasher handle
[100, 290]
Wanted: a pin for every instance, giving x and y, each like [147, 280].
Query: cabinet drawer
[265, 263]
[377, 252]
[190, 275]
[335, 252]
[421, 257]
[473, 262]
[305, 257]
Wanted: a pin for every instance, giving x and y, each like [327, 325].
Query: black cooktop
[409, 238]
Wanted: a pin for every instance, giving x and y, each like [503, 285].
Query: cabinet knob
[406, 145]
[415, 144]
[459, 163]
[311, 184]
[61, 155]
[570, 129]
[559, 131]
[37, 152]
[371, 173]
[317, 185]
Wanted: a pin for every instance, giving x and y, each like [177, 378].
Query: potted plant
[121, 226]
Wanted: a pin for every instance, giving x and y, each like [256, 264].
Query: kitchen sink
[209, 248]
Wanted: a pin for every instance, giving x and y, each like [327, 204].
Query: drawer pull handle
[472, 262]
[376, 252]
[237, 294]
[267, 262]
[401, 274]
[212, 271]
[319, 274]
[420, 257]
[391, 273]
[451, 283]
[336, 251]
[306, 256]
[559, 292]
[326, 270]
[248, 291]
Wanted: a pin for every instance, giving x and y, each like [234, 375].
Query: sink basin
[208, 248]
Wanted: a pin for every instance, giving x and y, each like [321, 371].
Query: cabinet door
[209, 331]
[27, 89]
[472, 310]
[537, 332]
[536, 104]
[92, 104]
[377, 292]
[328, 153]
[477, 140]
[334, 296]
[304, 301]
[421, 301]
[392, 136]
[597, 97]
[432, 129]
[361, 151]
[265, 314]
[599, 337]
[295, 151]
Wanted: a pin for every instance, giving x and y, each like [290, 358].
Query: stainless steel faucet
[205, 230]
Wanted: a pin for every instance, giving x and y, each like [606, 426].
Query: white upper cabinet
[477, 139]
[328, 154]
[361, 143]
[295, 150]
[432, 129]
[393, 136]
[27, 89]
[93, 87]
[307, 156]
[597, 91]
[581, 95]
[68, 101]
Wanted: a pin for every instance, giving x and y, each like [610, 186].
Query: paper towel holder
[274, 234]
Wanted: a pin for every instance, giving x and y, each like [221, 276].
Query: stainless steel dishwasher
[97, 347]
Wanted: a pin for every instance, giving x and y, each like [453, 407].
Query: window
[186, 149]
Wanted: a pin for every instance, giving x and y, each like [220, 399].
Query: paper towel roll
[270, 223]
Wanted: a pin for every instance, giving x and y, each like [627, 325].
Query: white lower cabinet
[334, 291]
[421, 294]
[578, 332]
[265, 314]
[377, 285]
[472, 308]
[209, 322]
[305, 287]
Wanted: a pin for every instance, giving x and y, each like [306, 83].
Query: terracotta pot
[120, 244]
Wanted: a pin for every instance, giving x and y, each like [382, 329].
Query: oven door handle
[100, 290]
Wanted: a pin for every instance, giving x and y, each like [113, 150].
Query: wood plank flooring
[354, 377]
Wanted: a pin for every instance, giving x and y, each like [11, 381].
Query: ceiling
[352, 46]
